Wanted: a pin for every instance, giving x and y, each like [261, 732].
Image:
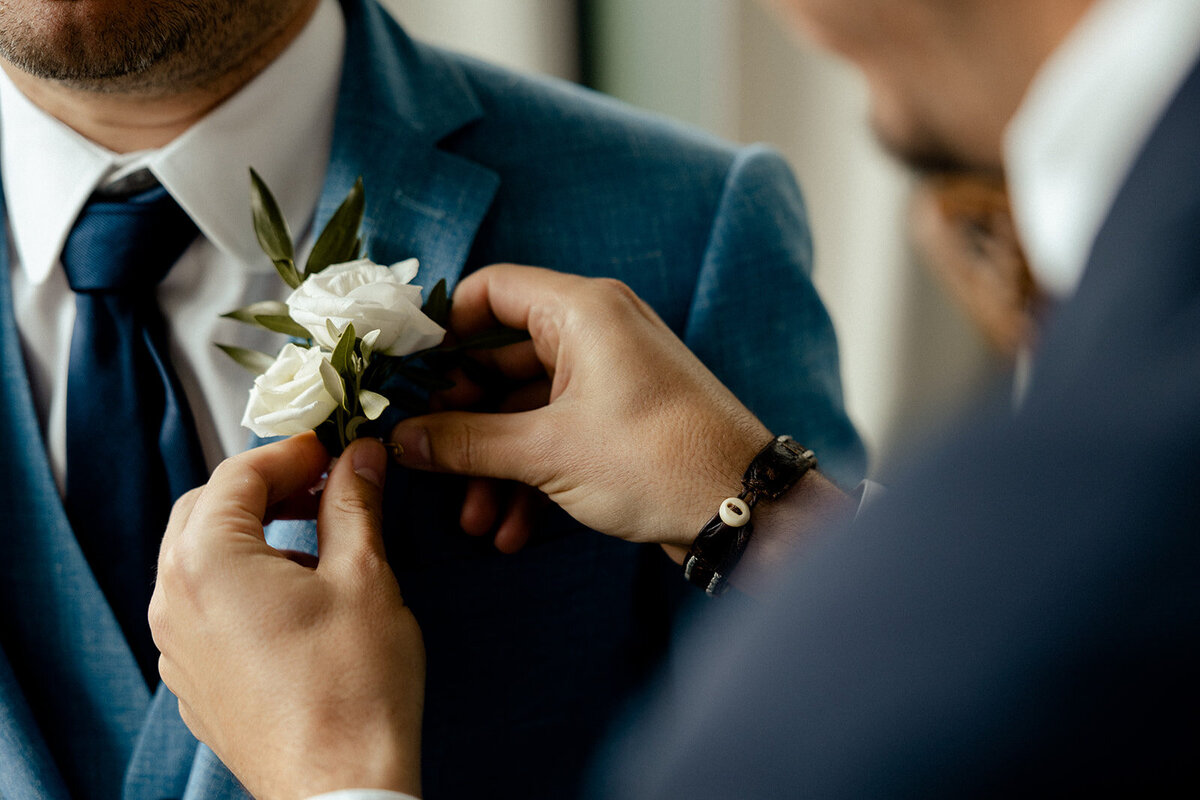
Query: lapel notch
[398, 101]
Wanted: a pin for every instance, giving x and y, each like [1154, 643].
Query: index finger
[526, 298]
[242, 488]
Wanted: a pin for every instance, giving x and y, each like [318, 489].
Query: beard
[929, 134]
[140, 45]
[925, 152]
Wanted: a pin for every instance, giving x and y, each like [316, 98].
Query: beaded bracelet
[723, 539]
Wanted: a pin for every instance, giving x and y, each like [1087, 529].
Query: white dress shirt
[1086, 117]
[282, 131]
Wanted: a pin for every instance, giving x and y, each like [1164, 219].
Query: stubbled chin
[922, 149]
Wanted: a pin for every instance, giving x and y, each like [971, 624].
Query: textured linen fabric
[529, 655]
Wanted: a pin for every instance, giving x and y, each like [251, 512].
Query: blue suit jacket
[1023, 617]
[464, 165]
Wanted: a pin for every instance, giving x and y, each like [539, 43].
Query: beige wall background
[527, 35]
[908, 358]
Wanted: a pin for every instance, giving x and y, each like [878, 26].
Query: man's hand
[302, 680]
[637, 440]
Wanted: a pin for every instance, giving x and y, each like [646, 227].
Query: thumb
[349, 518]
[503, 446]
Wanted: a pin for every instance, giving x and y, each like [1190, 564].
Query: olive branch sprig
[359, 378]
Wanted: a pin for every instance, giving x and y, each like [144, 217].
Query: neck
[127, 121]
[1021, 38]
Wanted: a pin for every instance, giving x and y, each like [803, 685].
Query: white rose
[371, 297]
[296, 394]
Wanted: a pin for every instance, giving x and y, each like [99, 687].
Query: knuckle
[239, 470]
[186, 500]
[232, 466]
[365, 572]
[354, 505]
[189, 719]
[191, 495]
[179, 569]
[613, 293]
[169, 566]
[543, 445]
[458, 451]
[165, 672]
[156, 615]
[181, 510]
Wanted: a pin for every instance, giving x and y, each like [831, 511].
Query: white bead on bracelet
[734, 512]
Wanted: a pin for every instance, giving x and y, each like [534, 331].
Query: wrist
[813, 505]
[378, 749]
[400, 773]
[720, 544]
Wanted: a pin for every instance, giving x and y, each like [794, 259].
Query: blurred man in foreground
[1019, 615]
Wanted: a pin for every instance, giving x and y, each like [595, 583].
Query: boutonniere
[361, 338]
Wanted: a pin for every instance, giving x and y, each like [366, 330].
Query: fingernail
[319, 486]
[413, 444]
[369, 461]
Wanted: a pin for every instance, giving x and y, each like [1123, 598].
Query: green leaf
[251, 313]
[282, 323]
[339, 240]
[252, 360]
[352, 427]
[437, 307]
[333, 382]
[287, 270]
[343, 351]
[366, 345]
[334, 334]
[269, 225]
[373, 403]
[491, 340]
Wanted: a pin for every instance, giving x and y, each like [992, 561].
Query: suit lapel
[1152, 223]
[398, 100]
[26, 766]
[74, 669]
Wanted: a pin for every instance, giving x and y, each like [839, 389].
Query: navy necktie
[131, 443]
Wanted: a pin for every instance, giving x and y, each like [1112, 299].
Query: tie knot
[126, 244]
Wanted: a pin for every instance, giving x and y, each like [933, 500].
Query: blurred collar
[1086, 117]
[281, 123]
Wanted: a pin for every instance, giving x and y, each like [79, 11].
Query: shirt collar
[1087, 115]
[281, 124]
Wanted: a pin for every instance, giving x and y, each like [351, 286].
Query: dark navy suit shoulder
[1021, 614]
